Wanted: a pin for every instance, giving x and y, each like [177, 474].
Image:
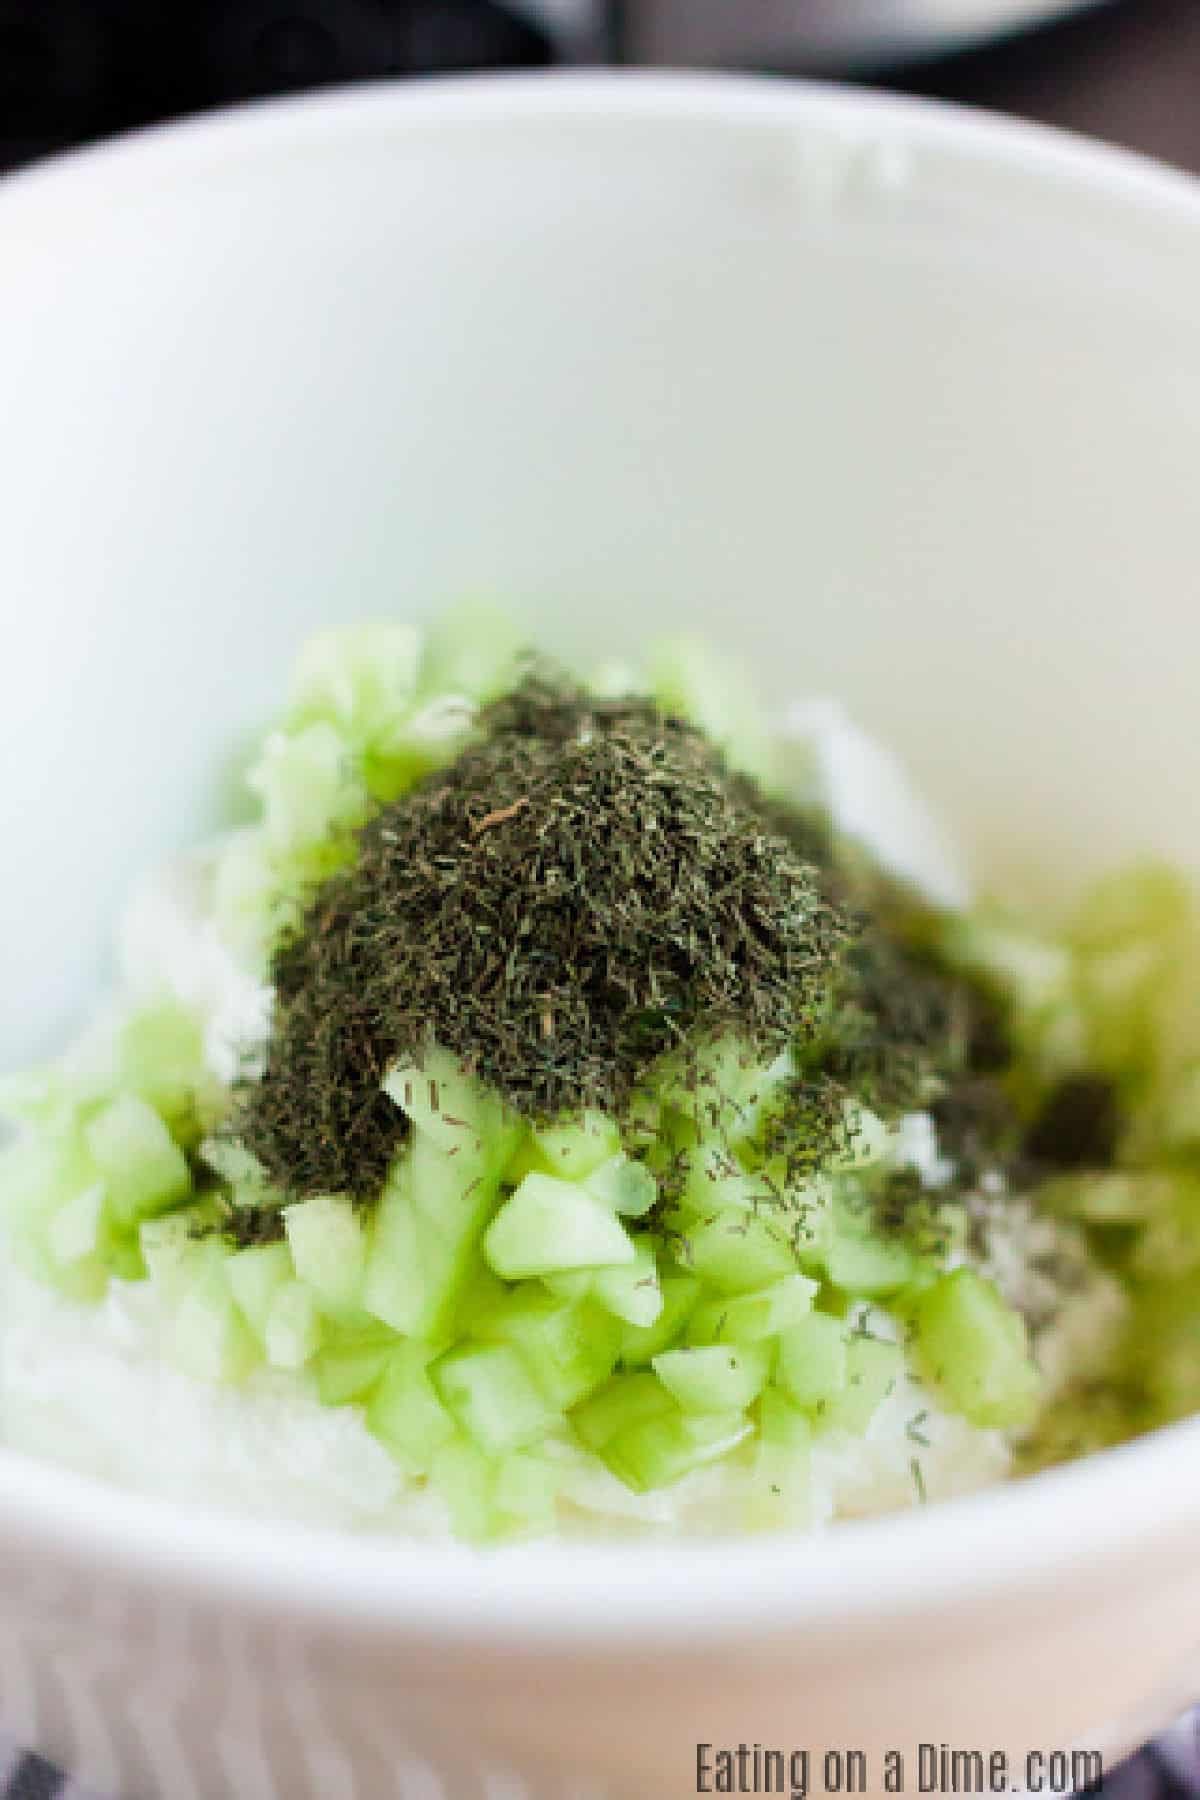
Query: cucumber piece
[160, 1057]
[309, 789]
[359, 678]
[76, 1232]
[714, 1378]
[657, 1452]
[329, 1249]
[568, 1349]
[454, 1109]
[574, 1147]
[864, 1262]
[873, 1367]
[348, 1364]
[749, 1318]
[472, 649]
[721, 1088]
[492, 1396]
[256, 1275]
[973, 1349]
[1114, 1197]
[466, 1480]
[548, 1225]
[624, 1401]
[525, 1493]
[1148, 901]
[692, 678]
[780, 1492]
[716, 1183]
[206, 1335]
[425, 1234]
[739, 1253]
[640, 1344]
[39, 1179]
[623, 1185]
[170, 1244]
[292, 1335]
[139, 1161]
[404, 1411]
[812, 1366]
[248, 909]
[631, 1292]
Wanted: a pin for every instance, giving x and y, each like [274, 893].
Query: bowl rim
[596, 1592]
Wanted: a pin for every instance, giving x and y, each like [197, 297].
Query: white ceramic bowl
[907, 404]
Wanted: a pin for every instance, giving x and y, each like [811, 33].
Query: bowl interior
[899, 405]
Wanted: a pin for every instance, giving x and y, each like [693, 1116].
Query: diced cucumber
[405, 1413]
[573, 1147]
[714, 1378]
[571, 1284]
[640, 1344]
[139, 1161]
[425, 1234]
[349, 1363]
[779, 1481]
[547, 1225]
[160, 1057]
[473, 649]
[873, 1367]
[39, 1178]
[453, 1108]
[465, 1477]
[492, 1395]
[738, 1253]
[525, 1493]
[631, 1292]
[749, 1318]
[525, 1160]
[293, 1327]
[1179, 1121]
[77, 1230]
[329, 1248]
[1148, 901]
[625, 1400]
[308, 786]
[721, 1087]
[812, 1360]
[245, 897]
[569, 1349]
[256, 1274]
[863, 1261]
[656, 1452]
[717, 1183]
[625, 1186]
[169, 1244]
[693, 679]
[206, 1334]
[973, 1348]
[1111, 1197]
[360, 678]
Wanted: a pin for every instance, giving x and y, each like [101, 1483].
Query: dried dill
[585, 888]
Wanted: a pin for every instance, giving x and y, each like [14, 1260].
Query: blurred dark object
[1128, 72]
[75, 70]
[837, 37]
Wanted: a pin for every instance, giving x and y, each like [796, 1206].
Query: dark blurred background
[75, 70]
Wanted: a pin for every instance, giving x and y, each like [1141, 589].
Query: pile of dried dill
[586, 887]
